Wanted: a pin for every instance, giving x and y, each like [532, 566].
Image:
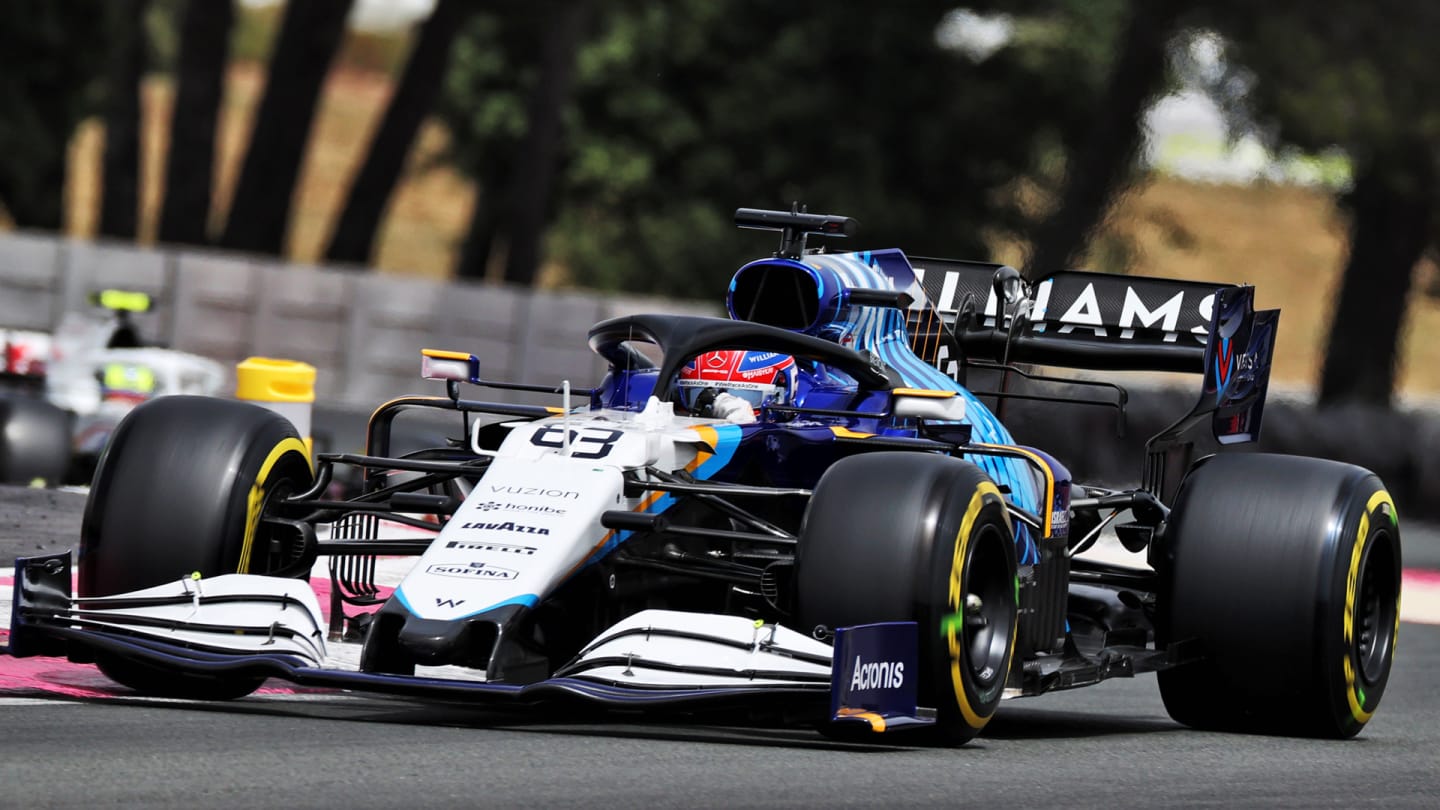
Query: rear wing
[954, 318]
[1090, 320]
[1078, 319]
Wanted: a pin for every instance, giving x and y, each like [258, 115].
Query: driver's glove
[732, 408]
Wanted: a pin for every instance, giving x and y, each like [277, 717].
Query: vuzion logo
[542, 492]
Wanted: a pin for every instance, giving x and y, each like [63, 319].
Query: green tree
[120, 186]
[199, 89]
[1102, 163]
[684, 111]
[485, 106]
[533, 176]
[260, 212]
[354, 238]
[1363, 76]
[51, 58]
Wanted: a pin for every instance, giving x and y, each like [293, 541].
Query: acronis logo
[877, 674]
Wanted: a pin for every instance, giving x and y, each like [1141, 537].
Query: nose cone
[398, 641]
[433, 643]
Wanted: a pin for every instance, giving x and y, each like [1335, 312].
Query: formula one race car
[798, 508]
[62, 394]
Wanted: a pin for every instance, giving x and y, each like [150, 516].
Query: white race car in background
[64, 393]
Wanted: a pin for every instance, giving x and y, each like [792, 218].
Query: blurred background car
[63, 394]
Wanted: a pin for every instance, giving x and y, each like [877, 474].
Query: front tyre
[1283, 577]
[923, 538]
[182, 488]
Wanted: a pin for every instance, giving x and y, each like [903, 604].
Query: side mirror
[436, 364]
[928, 404]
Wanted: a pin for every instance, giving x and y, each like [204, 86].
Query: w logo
[450, 603]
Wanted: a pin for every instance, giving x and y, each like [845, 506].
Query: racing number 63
[589, 442]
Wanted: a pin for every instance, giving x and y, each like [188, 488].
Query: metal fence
[362, 331]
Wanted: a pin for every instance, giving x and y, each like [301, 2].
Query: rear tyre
[35, 442]
[181, 489]
[912, 537]
[1283, 574]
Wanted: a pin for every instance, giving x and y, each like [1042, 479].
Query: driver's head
[759, 378]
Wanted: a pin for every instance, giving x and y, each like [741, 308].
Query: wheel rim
[268, 557]
[1375, 610]
[989, 608]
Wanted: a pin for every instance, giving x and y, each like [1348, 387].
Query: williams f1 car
[867, 548]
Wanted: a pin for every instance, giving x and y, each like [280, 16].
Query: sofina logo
[474, 570]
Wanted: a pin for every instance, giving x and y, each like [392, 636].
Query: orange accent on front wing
[877, 723]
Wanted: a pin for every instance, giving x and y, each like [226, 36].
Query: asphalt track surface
[1105, 746]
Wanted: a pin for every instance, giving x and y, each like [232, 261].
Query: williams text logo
[1138, 309]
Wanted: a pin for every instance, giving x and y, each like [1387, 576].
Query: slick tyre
[181, 489]
[1282, 587]
[35, 442]
[917, 537]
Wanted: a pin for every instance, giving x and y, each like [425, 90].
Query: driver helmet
[759, 378]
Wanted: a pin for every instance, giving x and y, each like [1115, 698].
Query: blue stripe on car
[882, 331]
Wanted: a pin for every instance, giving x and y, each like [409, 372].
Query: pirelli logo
[500, 547]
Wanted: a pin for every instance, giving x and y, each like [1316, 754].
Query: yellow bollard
[286, 387]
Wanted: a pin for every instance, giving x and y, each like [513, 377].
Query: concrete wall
[362, 331]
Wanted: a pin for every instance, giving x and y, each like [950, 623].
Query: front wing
[243, 625]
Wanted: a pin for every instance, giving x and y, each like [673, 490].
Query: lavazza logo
[506, 526]
[526, 508]
[474, 570]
